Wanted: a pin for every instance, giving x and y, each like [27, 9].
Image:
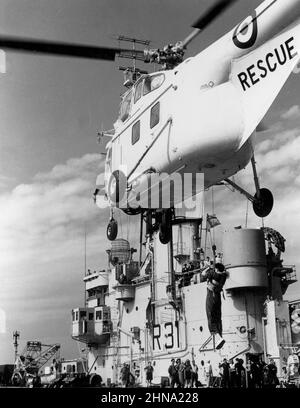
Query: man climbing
[215, 281]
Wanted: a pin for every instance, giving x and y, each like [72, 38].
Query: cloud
[5, 181]
[292, 113]
[75, 167]
[42, 227]
[47, 215]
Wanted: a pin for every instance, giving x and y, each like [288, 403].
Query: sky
[50, 111]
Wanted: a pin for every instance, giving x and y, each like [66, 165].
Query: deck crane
[33, 358]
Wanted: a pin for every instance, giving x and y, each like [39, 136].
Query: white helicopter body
[201, 116]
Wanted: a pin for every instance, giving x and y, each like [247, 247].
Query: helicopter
[195, 115]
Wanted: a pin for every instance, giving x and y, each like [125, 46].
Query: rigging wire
[247, 213]
[213, 210]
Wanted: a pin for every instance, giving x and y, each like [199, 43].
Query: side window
[135, 136]
[154, 115]
[138, 91]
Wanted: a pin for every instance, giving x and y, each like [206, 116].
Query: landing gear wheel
[112, 230]
[116, 190]
[263, 206]
[165, 227]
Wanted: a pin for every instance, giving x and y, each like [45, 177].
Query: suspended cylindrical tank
[120, 251]
[245, 258]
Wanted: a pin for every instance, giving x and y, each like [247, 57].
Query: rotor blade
[212, 13]
[208, 17]
[63, 49]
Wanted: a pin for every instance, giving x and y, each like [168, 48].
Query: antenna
[16, 335]
[131, 74]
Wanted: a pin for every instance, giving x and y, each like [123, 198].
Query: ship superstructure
[152, 309]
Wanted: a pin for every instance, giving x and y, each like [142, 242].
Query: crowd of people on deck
[231, 374]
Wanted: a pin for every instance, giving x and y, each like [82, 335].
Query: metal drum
[120, 250]
[245, 258]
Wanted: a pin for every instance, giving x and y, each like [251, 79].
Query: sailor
[180, 370]
[272, 371]
[207, 261]
[208, 373]
[188, 374]
[149, 374]
[125, 375]
[173, 373]
[215, 281]
[225, 374]
[195, 375]
[219, 258]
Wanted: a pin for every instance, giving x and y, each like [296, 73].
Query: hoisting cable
[247, 212]
[213, 212]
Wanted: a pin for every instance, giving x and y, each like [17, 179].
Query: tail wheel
[112, 230]
[263, 205]
[165, 227]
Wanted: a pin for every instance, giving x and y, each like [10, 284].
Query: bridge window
[91, 316]
[136, 130]
[82, 314]
[153, 82]
[154, 115]
[98, 315]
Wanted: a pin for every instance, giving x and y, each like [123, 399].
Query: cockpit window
[138, 91]
[125, 106]
[153, 82]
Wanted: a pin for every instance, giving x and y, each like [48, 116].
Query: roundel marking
[245, 34]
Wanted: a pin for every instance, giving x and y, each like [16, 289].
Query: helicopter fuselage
[193, 119]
